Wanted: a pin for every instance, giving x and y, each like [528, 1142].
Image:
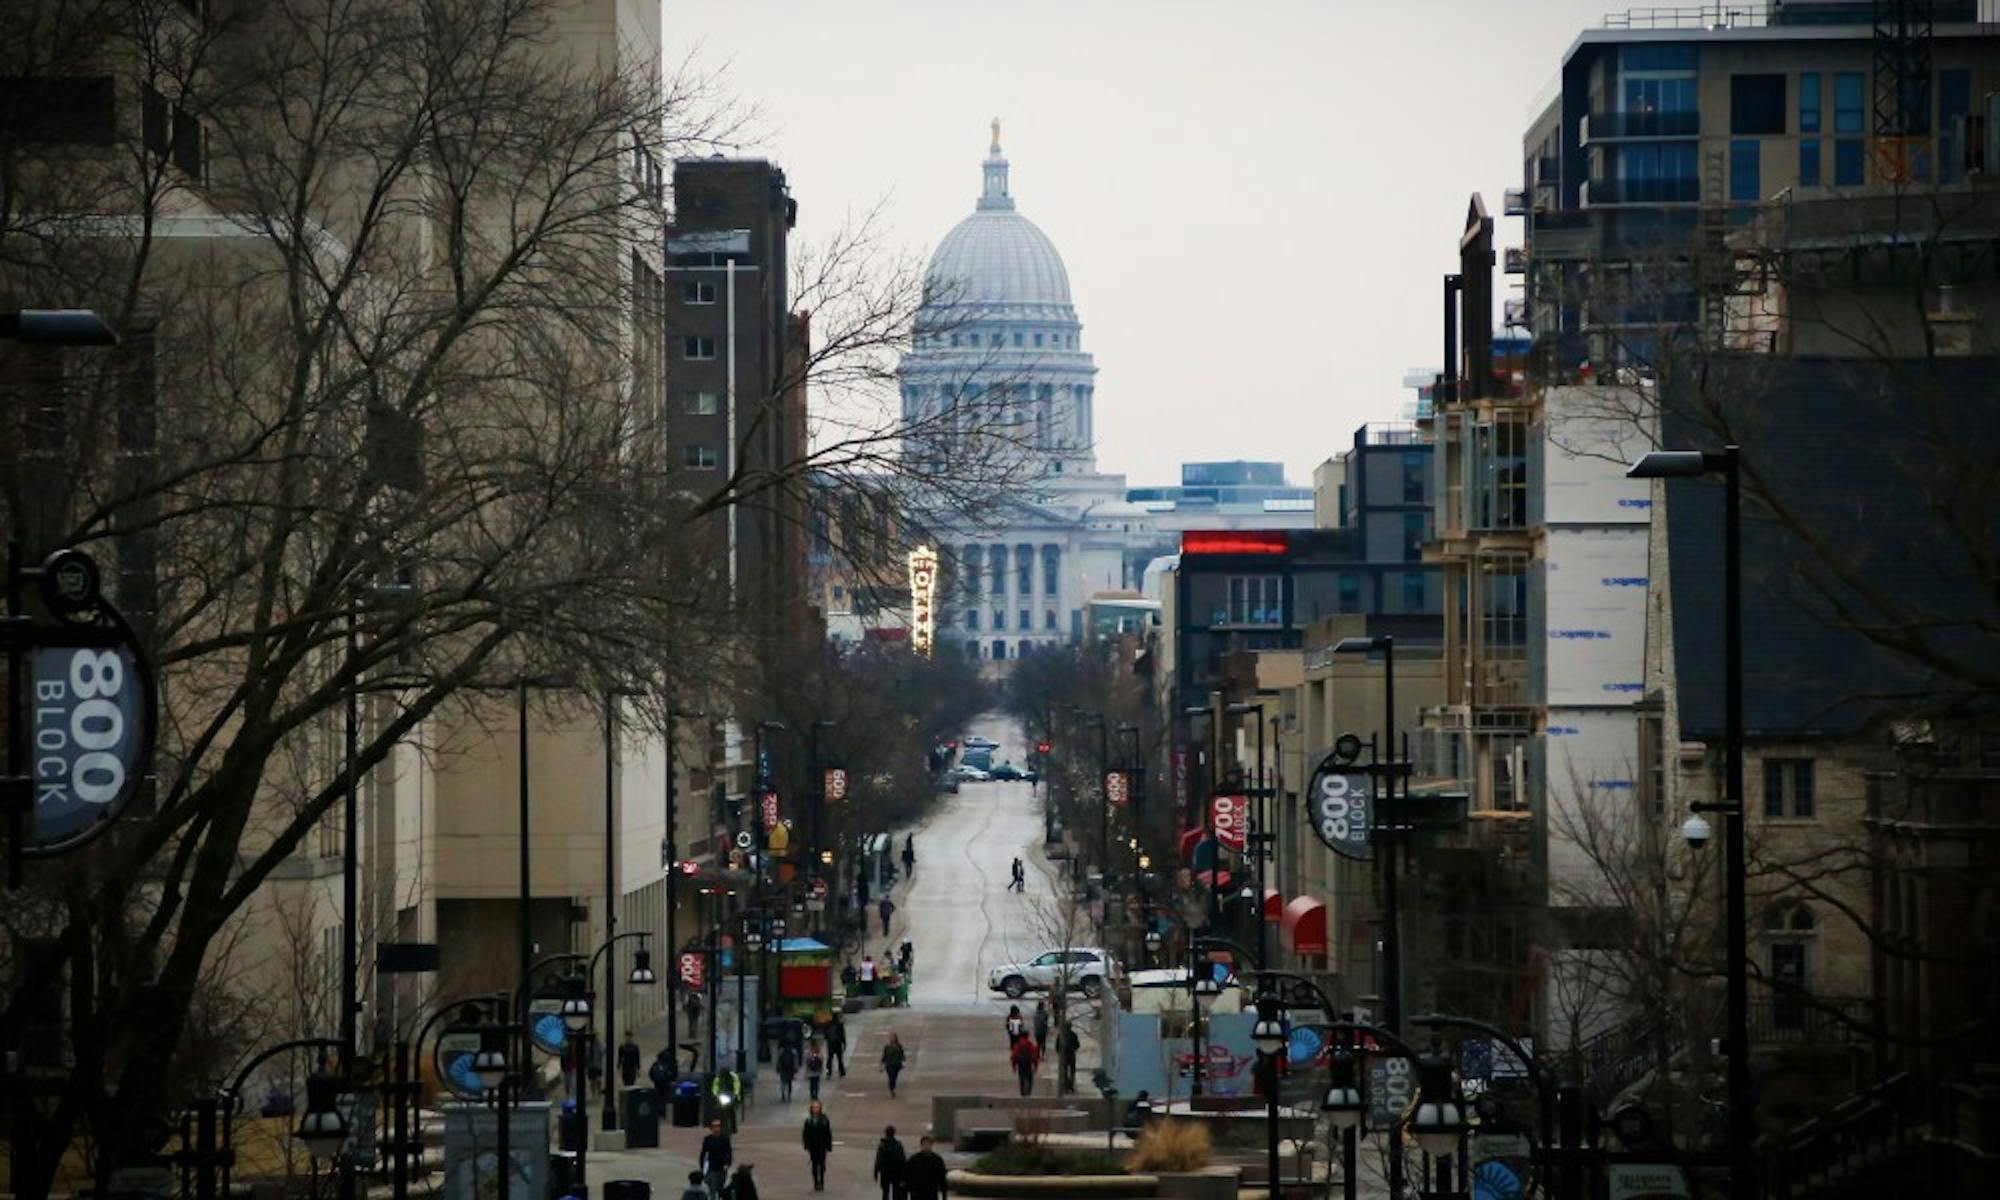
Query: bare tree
[381, 423]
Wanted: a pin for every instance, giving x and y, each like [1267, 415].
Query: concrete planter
[1209, 1183]
[1052, 1187]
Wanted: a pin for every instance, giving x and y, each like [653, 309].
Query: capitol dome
[998, 262]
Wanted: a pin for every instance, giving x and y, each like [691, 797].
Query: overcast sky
[1255, 199]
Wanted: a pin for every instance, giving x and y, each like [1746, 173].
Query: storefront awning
[1274, 905]
[1304, 926]
[1219, 879]
[1188, 842]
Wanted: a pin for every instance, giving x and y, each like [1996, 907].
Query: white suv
[1084, 968]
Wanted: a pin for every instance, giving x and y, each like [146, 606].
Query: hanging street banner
[1117, 788]
[1229, 816]
[767, 803]
[692, 967]
[1181, 779]
[1341, 804]
[836, 783]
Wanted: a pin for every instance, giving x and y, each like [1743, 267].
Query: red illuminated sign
[1234, 541]
[692, 969]
[689, 866]
[768, 801]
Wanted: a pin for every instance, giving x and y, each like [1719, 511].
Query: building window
[698, 457]
[1808, 162]
[968, 569]
[1809, 102]
[1414, 464]
[1350, 592]
[1788, 788]
[1788, 932]
[1413, 591]
[999, 618]
[1745, 177]
[1849, 169]
[1051, 570]
[1017, 339]
[1756, 104]
[1849, 117]
[1413, 536]
[696, 349]
[954, 339]
[1038, 341]
[1954, 125]
[1026, 621]
[996, 570]
[1024, 570]
[698, 291]
[972, 619]
[1848, 104]
[999, 649]
[704, 404]
[993, 339]
[1255, 600]
[1049, 620]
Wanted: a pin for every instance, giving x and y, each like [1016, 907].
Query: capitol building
[997, 360]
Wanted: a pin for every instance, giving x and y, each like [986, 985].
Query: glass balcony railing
[1598, 126]
[1669, 190]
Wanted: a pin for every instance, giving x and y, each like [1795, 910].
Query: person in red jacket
[1025, 1059]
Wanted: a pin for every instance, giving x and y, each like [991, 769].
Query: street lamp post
[1268, 1036]
[672, 865]
[1256, 840]
[609, 1119]
[1685, 464]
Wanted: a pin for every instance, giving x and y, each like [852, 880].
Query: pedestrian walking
[788, 1068]
[905, 954]
[661, 1073]
[869, 969]
[1041, 1026]
[1026, 1058]
[1017, 1028]
[717, 1153]
[836, 1046]
[887, 908]
[815, 1067]
[892, 1061]
[818, 1139]
[924, 1175]
[725, 1087]
[910, 855]
[696, 1188]
[889, 1163]
[741, 1185]
[628, 1059]
[1017, 877]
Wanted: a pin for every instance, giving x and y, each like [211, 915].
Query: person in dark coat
[887, 908]
[889, 1163]
[836, 1047]
[1042, 1026]
[924, 1175]
[818, 1140]
[661, 1073]
[628, 1059]
[788, 1069]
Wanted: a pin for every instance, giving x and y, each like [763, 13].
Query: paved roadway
[960, 918]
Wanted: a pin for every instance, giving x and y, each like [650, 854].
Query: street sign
[689, 867]
[1117, 788]
[1391, 1090]
[90, 709]
[836, 783]
[1181, 779]
[693, 968]
[744, 841]
[1342, 807]
[1229, 816]
[452, 1059]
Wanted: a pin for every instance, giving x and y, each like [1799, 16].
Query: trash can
[563, 1180]
[627, 1189]
[572, 1128]
[687, 1102]
[641, 1119]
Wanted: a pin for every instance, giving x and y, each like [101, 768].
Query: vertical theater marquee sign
[923, 563]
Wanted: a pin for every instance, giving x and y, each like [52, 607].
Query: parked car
[1085, 969]
[970, 773]
[1007, 771]
[974, 742]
